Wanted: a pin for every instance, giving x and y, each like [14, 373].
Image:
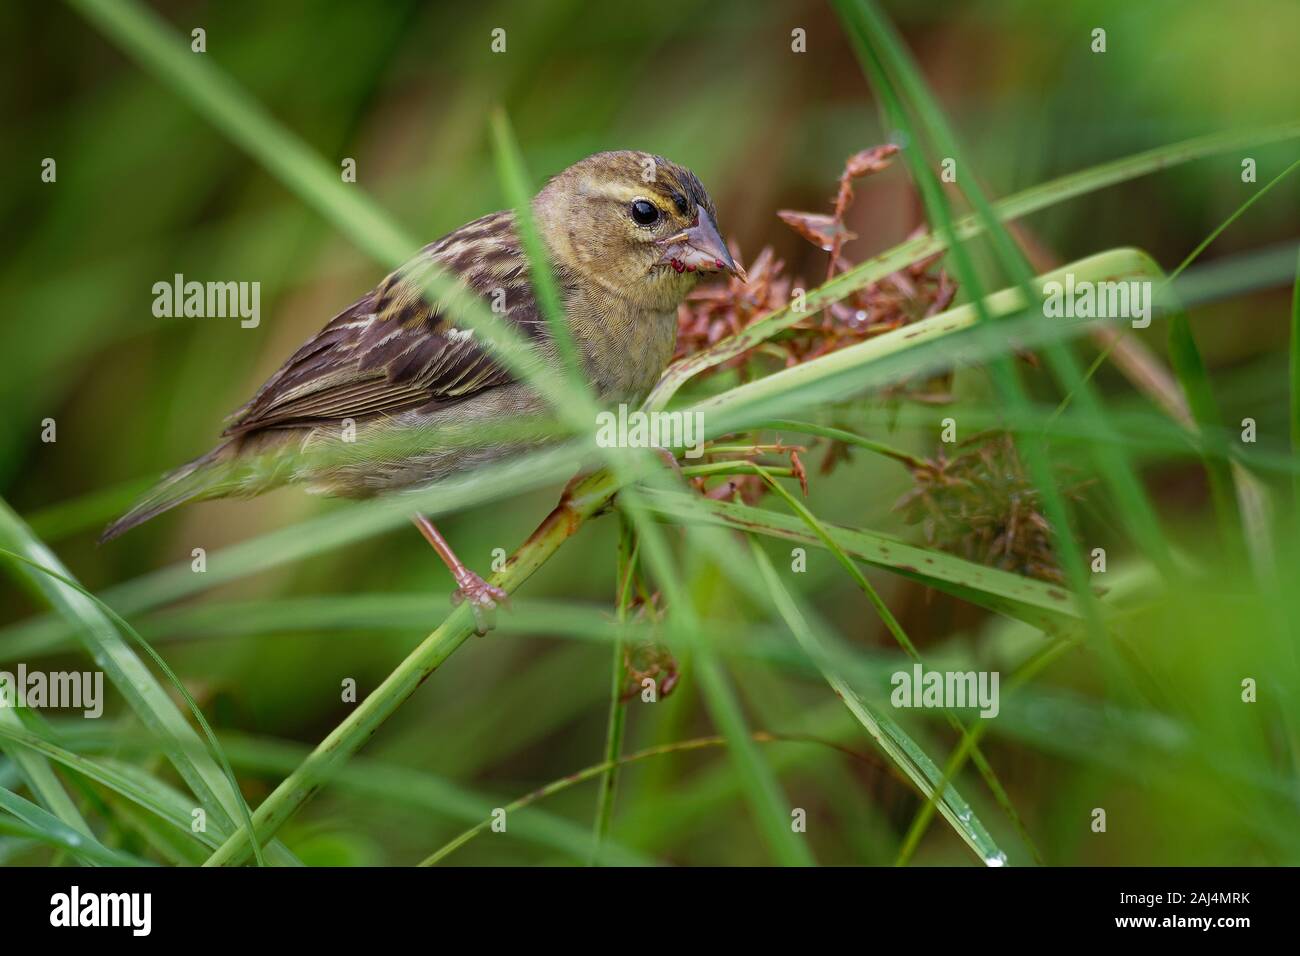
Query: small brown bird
[627, 234]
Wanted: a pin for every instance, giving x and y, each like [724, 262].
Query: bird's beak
[701, 249]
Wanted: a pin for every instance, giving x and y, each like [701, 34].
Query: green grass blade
[1189, 368]
[968, 747]
[150, 41]
[891, 738]
[628, 552]
[112, 776]
[519, 192]
[762, 789]
[1042, 605]
[587, 773]
[46, 828]
[388, 783]
[41, 779]
[126, 671]
[125, 627]
[888, 61]
[896, 630]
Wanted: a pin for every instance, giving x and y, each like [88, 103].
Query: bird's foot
[483, 599]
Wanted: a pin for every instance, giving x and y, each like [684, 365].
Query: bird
[627, 233]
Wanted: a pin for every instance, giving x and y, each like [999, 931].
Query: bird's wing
[391, 351]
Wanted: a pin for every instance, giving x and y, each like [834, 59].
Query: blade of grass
[1037, 603]
[215, 791]
[899, 747]
[88, 850]
[1192, 375]
[602, 769]
[124, 627]
[150, 41]
[614, 731]
[846, 437]
[376, 780]
[762, 790]
[884, 58]
[37, 824]
[128, 785]
[896, 630]
[883, 53]
[1194, 378]
[519, 193]
[1191, 256]
[969, 746]
[742, 568]
[41, 779]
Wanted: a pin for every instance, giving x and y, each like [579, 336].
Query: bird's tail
[204, 477]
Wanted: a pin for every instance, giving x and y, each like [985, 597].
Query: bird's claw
[483, 599]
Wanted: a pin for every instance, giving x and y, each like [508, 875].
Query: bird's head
[637, 224]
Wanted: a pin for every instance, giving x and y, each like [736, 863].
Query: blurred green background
[146, 189]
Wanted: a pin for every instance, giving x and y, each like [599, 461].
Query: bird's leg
[483, 597]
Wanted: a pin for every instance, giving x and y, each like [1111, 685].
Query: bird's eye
[645, 213]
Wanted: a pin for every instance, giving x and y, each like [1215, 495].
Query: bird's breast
[625, 348]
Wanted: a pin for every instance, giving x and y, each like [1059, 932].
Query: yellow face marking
[659, 193]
